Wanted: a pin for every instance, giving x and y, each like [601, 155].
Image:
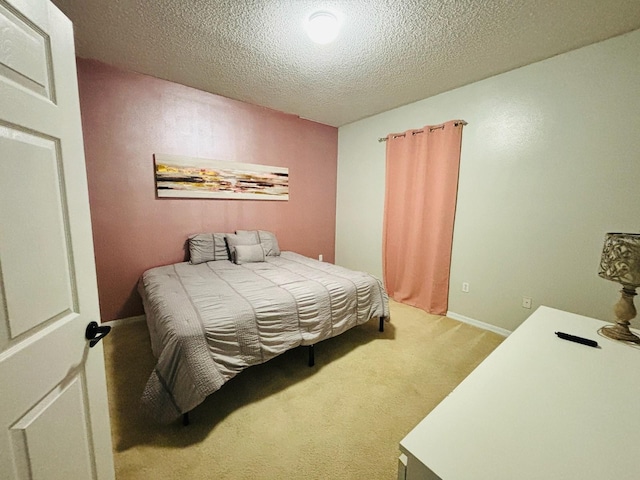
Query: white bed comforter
[208, 322]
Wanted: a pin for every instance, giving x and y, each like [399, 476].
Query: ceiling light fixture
[323, 27]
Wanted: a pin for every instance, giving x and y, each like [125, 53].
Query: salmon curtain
[420, 201]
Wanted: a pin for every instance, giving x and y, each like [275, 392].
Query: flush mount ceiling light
[323, 27]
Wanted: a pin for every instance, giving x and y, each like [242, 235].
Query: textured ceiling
[389, 53]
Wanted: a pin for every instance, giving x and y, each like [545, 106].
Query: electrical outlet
[526, 302]
[465, 287]
[320, 257]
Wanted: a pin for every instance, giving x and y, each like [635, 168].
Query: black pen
[575, 338]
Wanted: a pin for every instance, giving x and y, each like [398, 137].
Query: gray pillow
[248, 254]
[234, 240]
[268, 240]
[207, 247]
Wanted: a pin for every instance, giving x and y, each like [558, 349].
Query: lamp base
[619, 332]
[625, 310]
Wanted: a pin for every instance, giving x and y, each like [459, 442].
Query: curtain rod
[431, 129]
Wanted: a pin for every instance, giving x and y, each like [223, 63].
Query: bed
[239, 302]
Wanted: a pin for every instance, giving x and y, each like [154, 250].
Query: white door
[53, 404]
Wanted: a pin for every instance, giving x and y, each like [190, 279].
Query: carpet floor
[342, 419]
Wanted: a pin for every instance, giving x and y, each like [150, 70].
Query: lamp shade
[620, 260]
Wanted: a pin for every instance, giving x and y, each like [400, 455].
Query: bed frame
[312, 362]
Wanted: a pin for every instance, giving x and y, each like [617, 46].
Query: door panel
[53, 405]
[25, 53]
[33, 444]
[38, 204]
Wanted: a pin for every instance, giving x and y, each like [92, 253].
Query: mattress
[208, 322]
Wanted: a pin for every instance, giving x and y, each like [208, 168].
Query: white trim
[477, 323]
[123, 321]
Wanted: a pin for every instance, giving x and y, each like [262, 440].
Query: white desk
[538, 407]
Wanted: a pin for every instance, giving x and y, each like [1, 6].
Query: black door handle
[95, 333]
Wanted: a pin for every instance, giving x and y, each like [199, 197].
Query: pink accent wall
[127, 117]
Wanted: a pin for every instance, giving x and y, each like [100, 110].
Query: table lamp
[620, 263]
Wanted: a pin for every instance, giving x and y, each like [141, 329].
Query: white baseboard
[124, 321]
[477, 323]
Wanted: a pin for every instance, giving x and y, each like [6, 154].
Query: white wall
[550, 162]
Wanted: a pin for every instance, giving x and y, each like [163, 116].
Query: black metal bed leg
[381, 327]
[185, 419]
[312, 360]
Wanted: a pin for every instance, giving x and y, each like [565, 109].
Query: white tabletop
[539, 407]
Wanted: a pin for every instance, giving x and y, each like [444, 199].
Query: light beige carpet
[342, 419]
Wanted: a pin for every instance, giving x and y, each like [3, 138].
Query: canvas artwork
[186, 177]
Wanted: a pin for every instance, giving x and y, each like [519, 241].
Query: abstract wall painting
[186, 177]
